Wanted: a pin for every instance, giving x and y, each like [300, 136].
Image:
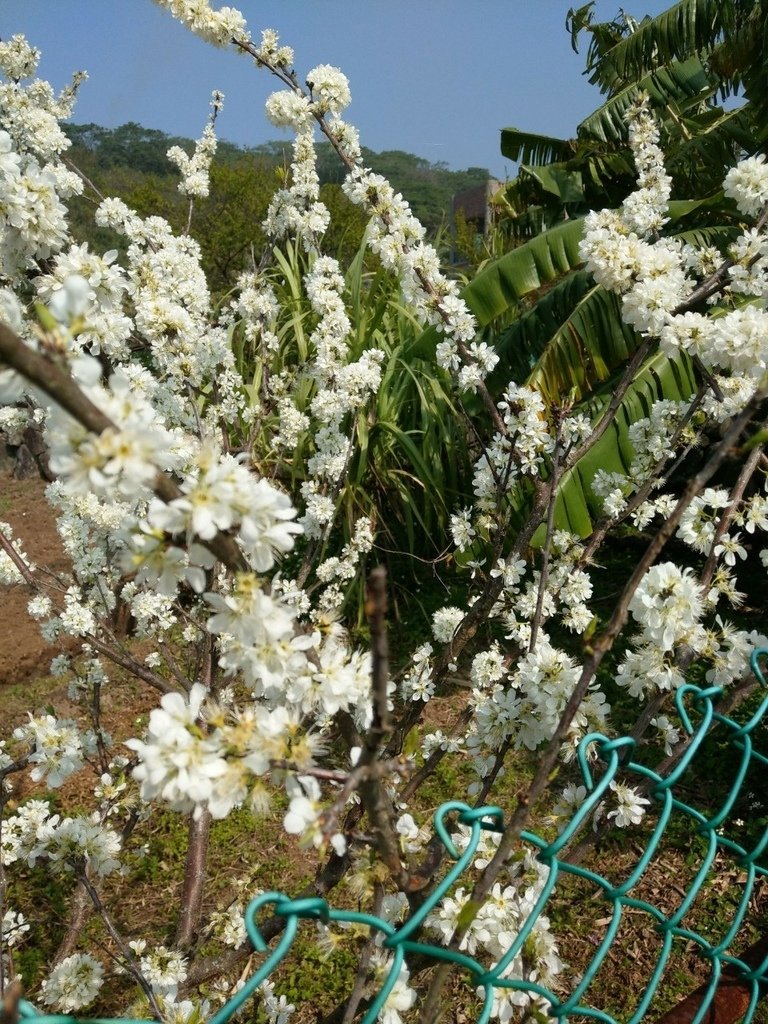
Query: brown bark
[194, 880]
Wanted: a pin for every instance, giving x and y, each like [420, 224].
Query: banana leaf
[688, 27]
[674, 85]
[576, 506]
[558, 180]
[528, 147]
[574, 337]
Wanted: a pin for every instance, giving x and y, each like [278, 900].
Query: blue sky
[438, 78]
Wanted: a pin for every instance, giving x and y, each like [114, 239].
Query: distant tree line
[130, 161]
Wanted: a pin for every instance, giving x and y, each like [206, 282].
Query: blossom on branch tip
[74, 983]
[747, 184]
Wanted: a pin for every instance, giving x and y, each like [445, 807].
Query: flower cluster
[74, 983]
[194, 169]
[220, 493]
[396, 237]
[33, 833]
[32, 216]
[520, 449]
[217, 27]
[667, 604]
[297, 211]
[655, 276]
[124, 458]
[165, 969]
[271, 53]
[59, 747]
[747, 185]
[495, 926]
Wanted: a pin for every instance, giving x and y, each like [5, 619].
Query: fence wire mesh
[718, 835]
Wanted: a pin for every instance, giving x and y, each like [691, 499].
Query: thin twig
[24, 570]
[358, 989]
[612, 408]
[376, 612]
[726, 516]
[85, 178]
[126, 951]
[547, 549]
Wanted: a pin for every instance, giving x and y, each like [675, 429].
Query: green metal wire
[614, 756]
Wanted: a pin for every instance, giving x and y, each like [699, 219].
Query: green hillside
[130, 162]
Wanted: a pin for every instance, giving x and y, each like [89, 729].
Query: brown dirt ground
[23, 653]
[25, 681]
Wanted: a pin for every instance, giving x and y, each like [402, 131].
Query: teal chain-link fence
[723, 831]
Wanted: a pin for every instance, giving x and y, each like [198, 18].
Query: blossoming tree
[234, 602]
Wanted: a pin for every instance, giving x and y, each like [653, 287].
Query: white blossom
[74, 983]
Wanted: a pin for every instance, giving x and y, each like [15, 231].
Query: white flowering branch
[603, 643]
[728, 513]
[547, 758]
[113, 653]
[59, 385]
[126, 952]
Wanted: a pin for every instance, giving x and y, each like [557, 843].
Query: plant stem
[547, 549]
[78, 915]
[194, 879]
[122, 945]
[358, 990]
[377, 803]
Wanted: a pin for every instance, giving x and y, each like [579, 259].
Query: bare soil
[23, 653]
[26, 684]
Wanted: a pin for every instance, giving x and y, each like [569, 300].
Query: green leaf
[688, 27]
[412, 743]
[659, 378]
[45, 318]
[467, 914]
[558, 180]
[586, 349]
[522, 343]
[676, 85]
[524, 270]
[528, 147]
[574, 338]
[502, 283]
